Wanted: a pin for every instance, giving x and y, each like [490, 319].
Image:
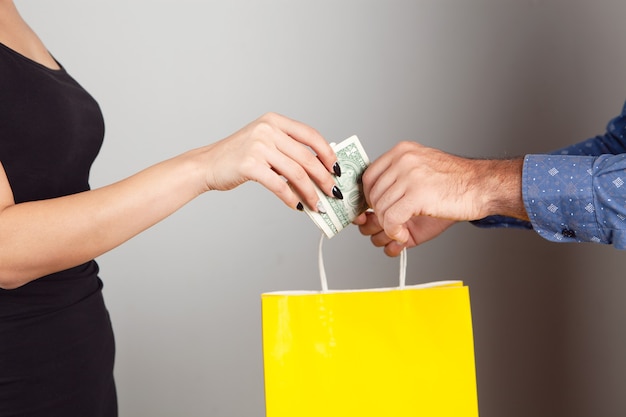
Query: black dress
[56, 341]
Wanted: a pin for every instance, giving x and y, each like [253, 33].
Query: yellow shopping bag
[388, 352]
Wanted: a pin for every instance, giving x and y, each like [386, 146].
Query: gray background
[473, 77]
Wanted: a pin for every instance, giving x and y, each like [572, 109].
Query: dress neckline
[12, 51]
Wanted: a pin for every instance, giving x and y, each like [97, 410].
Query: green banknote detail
[352, 166]
[340, 213]
[329, 223]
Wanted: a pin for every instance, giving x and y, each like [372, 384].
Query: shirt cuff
[558, 196]
[492, 222]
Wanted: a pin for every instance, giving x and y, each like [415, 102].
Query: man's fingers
[371, 225]
[393, 248]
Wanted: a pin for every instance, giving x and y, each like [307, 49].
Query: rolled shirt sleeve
[572, 198]
[578, 193]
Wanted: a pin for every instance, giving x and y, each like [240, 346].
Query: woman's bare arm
[41, 237]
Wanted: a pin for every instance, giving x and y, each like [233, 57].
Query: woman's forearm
[41, 237]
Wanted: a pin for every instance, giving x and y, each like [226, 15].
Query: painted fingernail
[320, 207]
[300, 207]
[337, 192]
[337, 169]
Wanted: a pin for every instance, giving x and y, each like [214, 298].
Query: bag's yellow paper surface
[384, 353]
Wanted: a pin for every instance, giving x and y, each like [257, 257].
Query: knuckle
[404, 145]
[270, 117]
[391, 221]
[299, 175]
[282, 189]
[410, 163]
[407, 156]
[308, 160]
[312, 132]
[397, 216]
[262, 128]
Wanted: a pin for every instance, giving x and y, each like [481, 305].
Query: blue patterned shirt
[578, 193]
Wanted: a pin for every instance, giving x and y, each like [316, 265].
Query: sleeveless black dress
[56, 341]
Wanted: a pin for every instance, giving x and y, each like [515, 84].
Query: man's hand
[417, 192]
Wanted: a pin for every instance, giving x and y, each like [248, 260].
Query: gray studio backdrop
[473, 77]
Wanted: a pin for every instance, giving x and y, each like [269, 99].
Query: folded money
[340, 213]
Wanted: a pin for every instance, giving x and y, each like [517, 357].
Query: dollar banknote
[340, 213]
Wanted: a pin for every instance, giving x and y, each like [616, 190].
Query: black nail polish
[337, 169]
[337, 192]
[300, 207]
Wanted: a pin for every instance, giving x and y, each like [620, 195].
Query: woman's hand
[270, 150]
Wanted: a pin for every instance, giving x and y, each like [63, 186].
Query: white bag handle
[320, 260]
